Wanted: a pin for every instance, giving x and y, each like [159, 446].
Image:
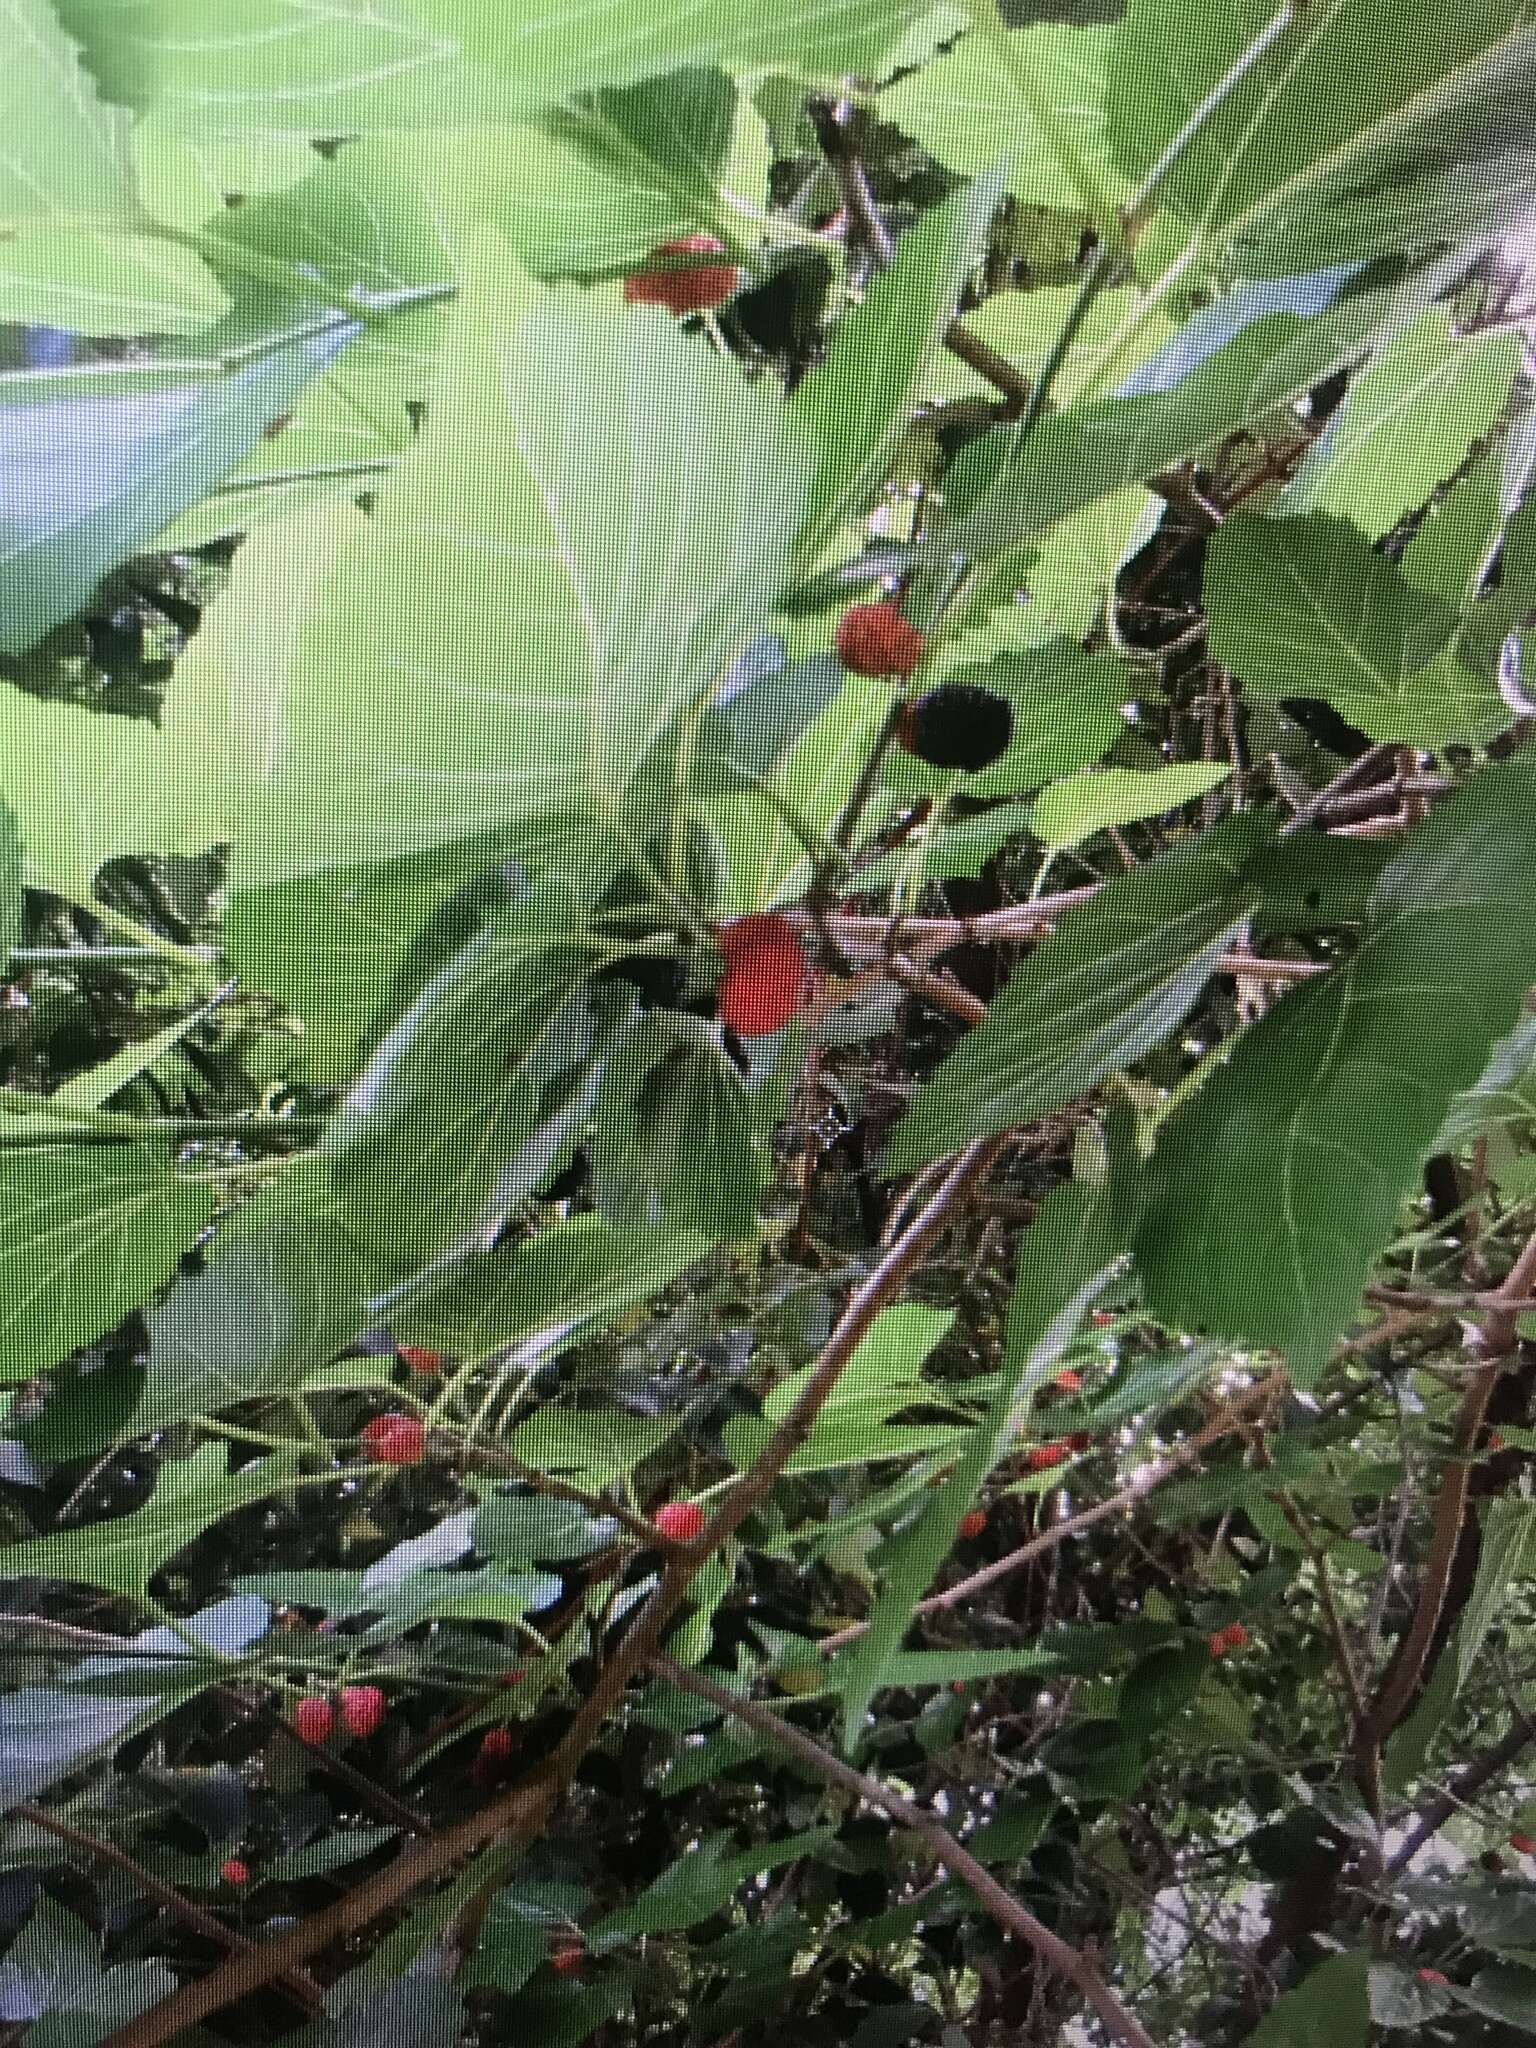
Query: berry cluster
[1233, 1637]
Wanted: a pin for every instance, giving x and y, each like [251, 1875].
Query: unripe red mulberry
[1044, 1456]
[875, 640]
[566, 1957]
[313, 1719]
[415, 1359]
[235, 1872]
[971, 1525]
[680, 1519]
[684, 291]
[1236, 1636]
[396, 1439]
[957, 726]
[767, 974]
[362, 1708]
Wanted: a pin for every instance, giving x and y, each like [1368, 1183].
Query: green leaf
[1306, 607]
[1180, 401]
[1504, 1992]
[52, 1976]
[1406, 423]
[702, 1883]
[123, 1555]
[1072, 1242]
[674, 1144]
[496, 1046]
[966, 109]
[86, 1234]
[545, 57]
[101, 282]
[1507, 1552]
[593, 1446]
[91, 468]
[583, 1272]
[1349, 101]
[854, 1428]
[1330, 2008]
[590, 525]
[858, 403]
[282, 1292]
[1072, 811]
[1120, 973]
[1407, 1750]
[281, 67]
[65, 153]
[47, 1732]
[1312, 1133]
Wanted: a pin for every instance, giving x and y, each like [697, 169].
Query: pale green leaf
[1075, 810]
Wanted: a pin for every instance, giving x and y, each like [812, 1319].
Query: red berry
[510, 1678]
[492, 1755]
[362, 1708]
[415, 1359]
[1236, 1636]
[1526, 1844]
[314, 1718]
[1495, 1440]
[1433, 1977]
[684, 291]
[766, 974]
[1044, 1456]
[875, 640]
[957, 1686]
[1102, 1316]
[234, 1871]
[396, 1439]
[680, 1519]
[567, 1958]
[971, 1525]
[1068, 1382]
[1218, 1643]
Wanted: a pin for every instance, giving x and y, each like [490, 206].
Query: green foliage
[415, 650]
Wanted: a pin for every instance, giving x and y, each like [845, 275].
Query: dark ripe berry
[875, 640]
[680, 1519]
[767, 974]
[1079, 1442]
[971, 1525]
[362, 1708]
[660, 977]
[314, 1718]
[684, 291]
[957, 726]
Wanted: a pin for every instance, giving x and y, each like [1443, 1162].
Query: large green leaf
[1120, 973]
[86, 1234]
[966, 109]
[588, 526]
[1305, 1142]
[498, 1047]
[583, 1272]
[1352, 104]
[544, 56]
[64, 156]
[1330, 2008]
[123, 1555]
[281, 67]
[91, 468]
[1187, 396]
[1306, 607]
[100, 281]
[1406, 424]
[278, 1296]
